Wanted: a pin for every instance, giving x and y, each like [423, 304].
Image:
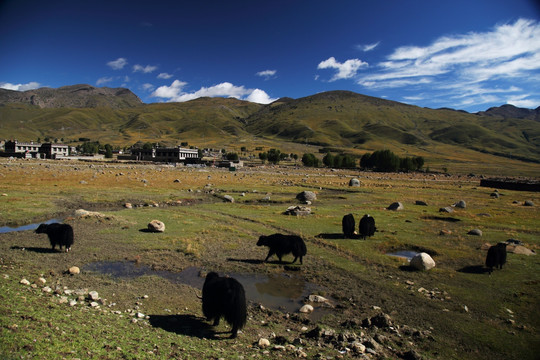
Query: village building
[14, 148]
[165, 154]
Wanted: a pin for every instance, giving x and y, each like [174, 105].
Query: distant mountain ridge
[73, 96]
[511, 111]
[342, 121]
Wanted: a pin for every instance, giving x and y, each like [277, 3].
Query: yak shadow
[146, 230]
[441, 218]
[189, 325]
[247, 261]
[335, 236]
[474, 269]
[35, 249]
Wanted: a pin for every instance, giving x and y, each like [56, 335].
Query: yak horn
[197, 295]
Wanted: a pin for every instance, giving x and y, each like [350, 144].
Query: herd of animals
[224, 297]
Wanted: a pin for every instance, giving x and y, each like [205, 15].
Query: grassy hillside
[341, 120]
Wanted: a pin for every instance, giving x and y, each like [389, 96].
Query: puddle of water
[408, 254]
[7, 229]
[283, 292]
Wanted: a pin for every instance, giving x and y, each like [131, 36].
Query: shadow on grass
[474, 269]
[335, 236]
[441, 218]
[146, 230]
[407, 268]
[189, 325]
[247, 261]
[35, 249]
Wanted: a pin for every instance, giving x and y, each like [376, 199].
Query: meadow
[454, 311]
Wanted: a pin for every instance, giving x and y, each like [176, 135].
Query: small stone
[42, 280]
[72, 303]
[74, 270]
[306, 309]
[63, 300]
[461, 204]
[140, 315]
[354, 182]
[228, 198]
[317, 299]
[263, 343]
[476, 232]
[25, 282]
[93, 295]
[94, 304]
[446, 209]
[46, 289]
[128, 206]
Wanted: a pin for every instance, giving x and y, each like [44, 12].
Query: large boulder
[461, 204]
[354, 182]
[422, 261]
[306, 196]
[396, 206]
[476, 232]
[156, 226]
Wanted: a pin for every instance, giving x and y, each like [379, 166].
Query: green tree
[328, 159]
[310, 160]
[108, 151]
[274, 156]
[263, 156]
[231, 156]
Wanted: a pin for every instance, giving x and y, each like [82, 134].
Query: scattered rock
[317, 299]
[156, 226]
[421, 203]
[47, 289]
[446, 209]
[128, 206]
[445, 232]
[298, 210]
[93, 295]
[306, 196]
[520, 250]
[528, 203]
[228, 198]
[354, 182]
[42, 280]
[74, 270]
[177, 181]
[461, 204]
[263, 343]
[306, 309]
[25, 282]
[396, 206]
[494, 195]
[476, 232]
[422, 261]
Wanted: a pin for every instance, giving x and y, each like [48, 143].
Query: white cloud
[20, 87]
[346, 70]
[164, 76]
[367, 47]
[148, 87]
[508, 50]
[104, 80]
[144, 69]
[175, 92]
[117, 64]
[523, 102]
[267, 74]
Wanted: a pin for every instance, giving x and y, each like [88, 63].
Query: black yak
[280, 245]
[348, 224]
[367, 226]
[496, 256]
[224, 297]
[59, 234]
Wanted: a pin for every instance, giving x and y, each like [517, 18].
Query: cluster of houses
[13, 148]
[28, 150]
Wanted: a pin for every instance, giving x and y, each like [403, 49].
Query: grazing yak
[280, 245]
[348, 224]
[59, 234]
[367, 226]
[224, 297]
[496, 257]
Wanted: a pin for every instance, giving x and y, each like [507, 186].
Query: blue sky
[469, 55]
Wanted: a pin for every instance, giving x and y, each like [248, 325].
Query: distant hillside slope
[510, 111]
[340, 120]
[74, 96]
[350, 120]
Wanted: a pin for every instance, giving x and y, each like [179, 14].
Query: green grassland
[469, 315]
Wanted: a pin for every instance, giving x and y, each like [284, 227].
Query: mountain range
[340, 121]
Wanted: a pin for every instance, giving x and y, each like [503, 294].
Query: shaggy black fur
[280, 245]
[496, 257]
[224, 297]
[59, 234]
[367, 226]
[348, 224]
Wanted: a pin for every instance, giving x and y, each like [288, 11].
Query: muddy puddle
[407, 254]
[284, 291]
[7, 229]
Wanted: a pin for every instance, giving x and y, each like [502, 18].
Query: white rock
[140, 315]
[72, 303]
[263, 343]
[46, 289]
[94, 304]
[317, 299]
[156, 226]
[306, 309]
[74, 270]
[25, 282]
[42, 280]
[422, 261]
[93, 295]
